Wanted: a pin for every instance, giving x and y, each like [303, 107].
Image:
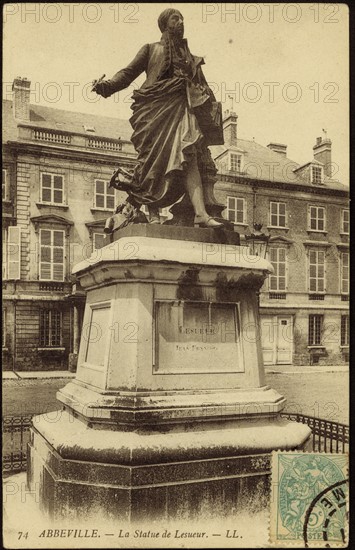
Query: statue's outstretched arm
[125, 77]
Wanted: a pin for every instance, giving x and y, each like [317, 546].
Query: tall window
[4, 253]
[98, 240]
[5, 185]
[104, 195]
[52, 188]
[236, 210]
[317, 175]
[51, 266]
[345, 225]
[316, 271]
[316, 218]
[344, 272]
[4, 327]
[278, 214]
[277, 281]
[344, 330]
[235, 162]
[50, 328]
[11, 252]
[315, 325]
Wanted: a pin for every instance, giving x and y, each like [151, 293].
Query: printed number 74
[22, 535]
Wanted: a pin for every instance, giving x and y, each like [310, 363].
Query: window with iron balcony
[52, 255]
[316, 281]
[278, 279]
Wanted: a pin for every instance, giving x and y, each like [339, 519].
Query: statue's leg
[194, 188]
[195, 192]
[154, 216]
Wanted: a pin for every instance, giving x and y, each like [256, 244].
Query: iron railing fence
[327, 436]
[16, 434]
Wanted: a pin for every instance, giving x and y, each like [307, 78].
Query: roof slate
[68, 121]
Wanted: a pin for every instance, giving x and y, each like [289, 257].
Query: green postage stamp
[309, 504]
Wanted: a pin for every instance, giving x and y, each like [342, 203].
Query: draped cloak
[166, 134]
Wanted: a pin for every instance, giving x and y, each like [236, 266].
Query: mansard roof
[262, 163]
[268, 164]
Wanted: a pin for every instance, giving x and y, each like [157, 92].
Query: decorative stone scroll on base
[169, 414]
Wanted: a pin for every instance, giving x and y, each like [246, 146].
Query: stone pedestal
[169, 415]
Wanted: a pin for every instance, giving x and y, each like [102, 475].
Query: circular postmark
[327, 515]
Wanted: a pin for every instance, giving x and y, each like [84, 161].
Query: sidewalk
[30, 375]
[269, 369]
[304, 369]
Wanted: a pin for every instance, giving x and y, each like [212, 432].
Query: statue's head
[172, 21]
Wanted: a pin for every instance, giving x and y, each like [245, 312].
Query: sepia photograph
[175, 280]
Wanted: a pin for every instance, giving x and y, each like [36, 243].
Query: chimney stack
[230, 128]
[21, 88]
[322, 152]
[279, 148]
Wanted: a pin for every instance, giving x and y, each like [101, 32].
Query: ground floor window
[344, 330]
[50, 328]
[315, 330]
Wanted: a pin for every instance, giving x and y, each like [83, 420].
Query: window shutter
[14, 252]
[4, 253]
[282, 268]
[45, 255]
[58, 255]
[231, 209]
[52, 258]
[309, 270]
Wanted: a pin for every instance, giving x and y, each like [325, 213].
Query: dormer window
[317, 175]
[235, 162]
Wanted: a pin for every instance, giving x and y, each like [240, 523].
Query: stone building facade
[56, 167]
[305, 211]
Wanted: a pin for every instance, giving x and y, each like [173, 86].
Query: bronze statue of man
[170, 111]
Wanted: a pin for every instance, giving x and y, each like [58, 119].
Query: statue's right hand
[97, 86]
